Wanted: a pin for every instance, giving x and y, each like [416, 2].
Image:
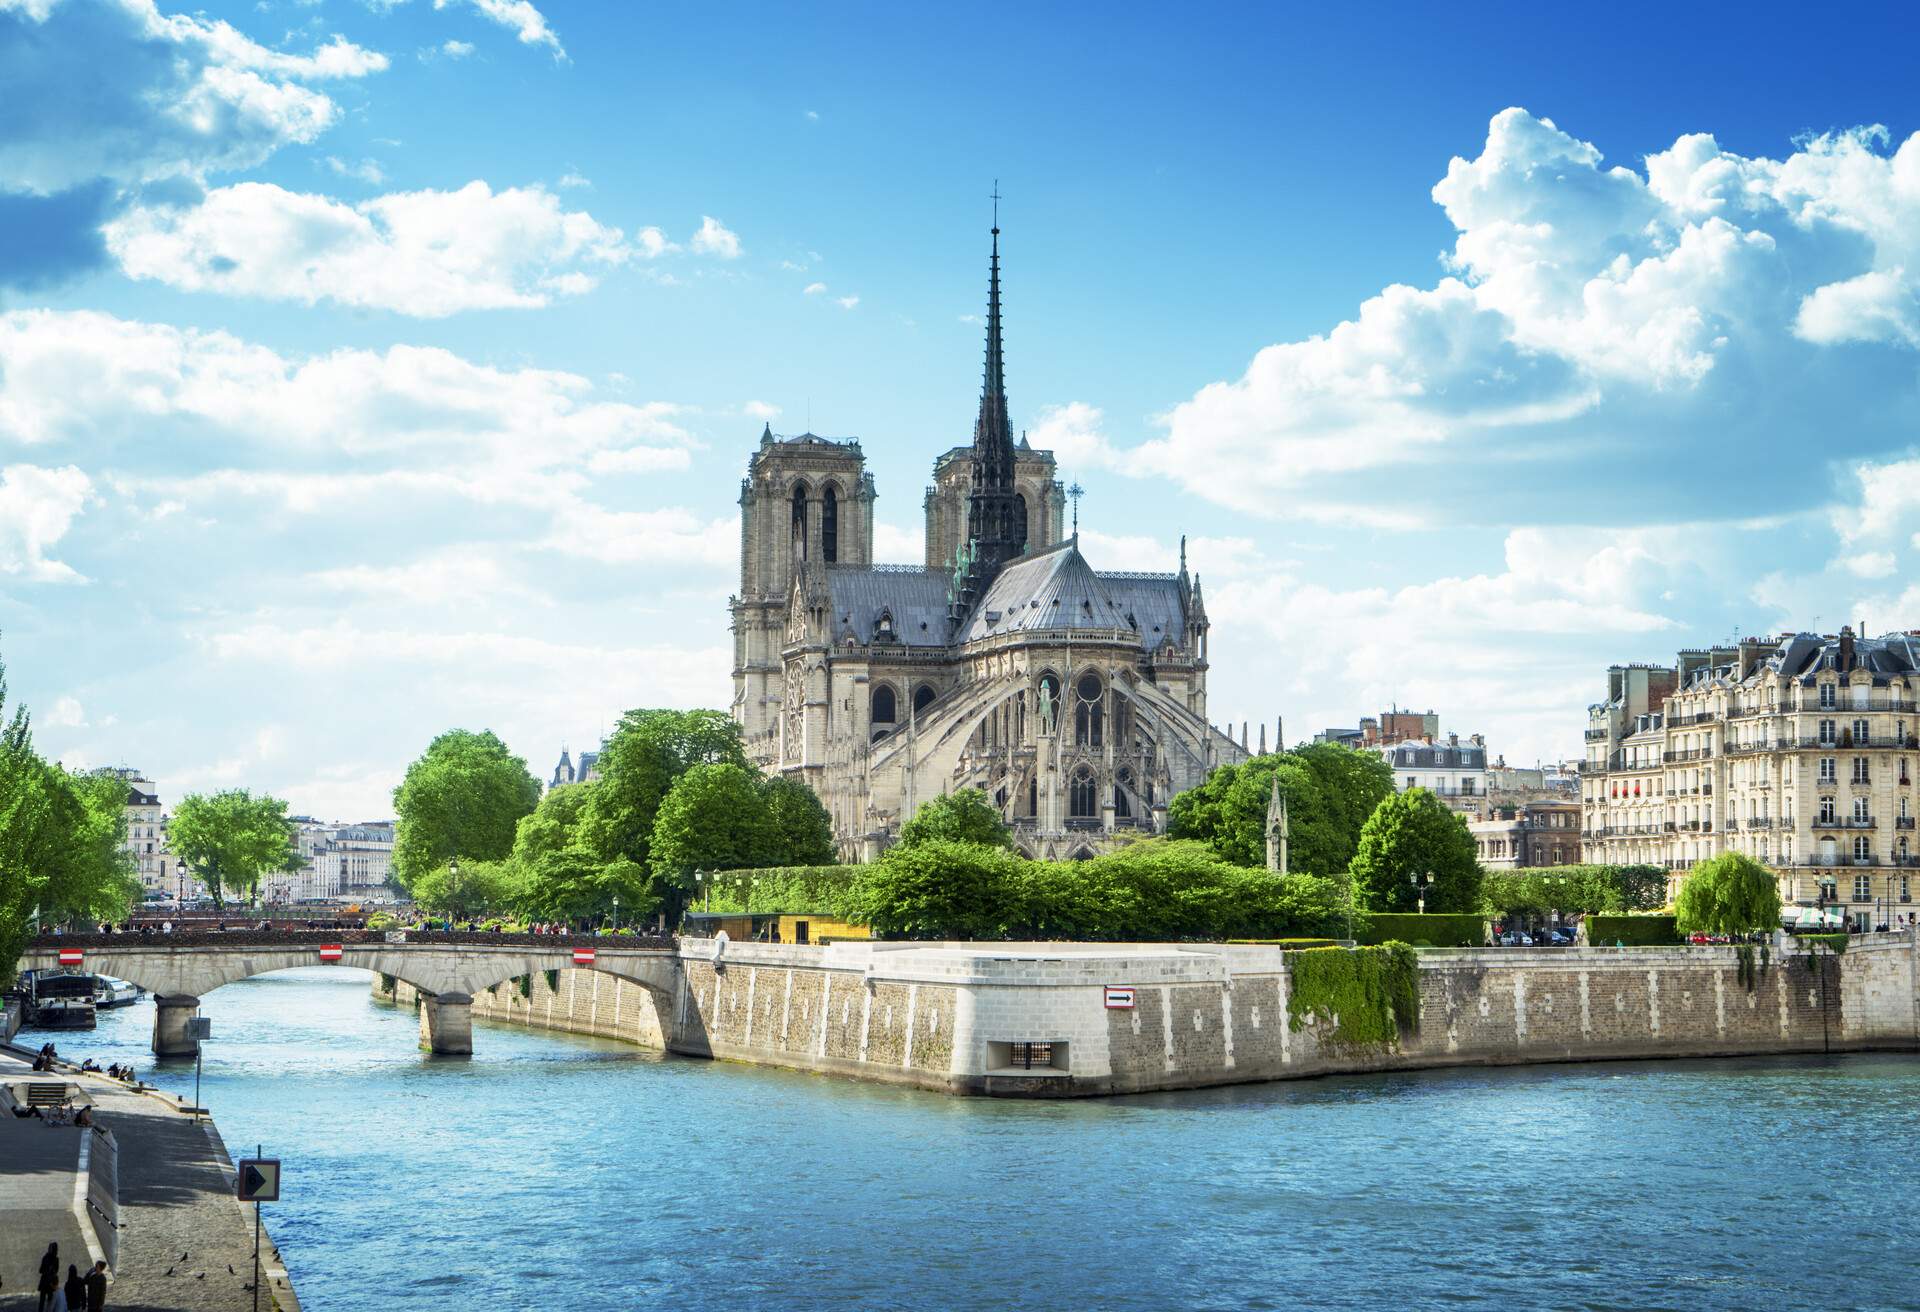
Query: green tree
[802, 829]
[1329, 790]
[647, 752]
[229, 839]
[553, 825]
[963, 817]
[463, 798]
[94, 878]
[480, 888]
[714, 817]
[942, 889]
[1728, 894]
[1414, 833]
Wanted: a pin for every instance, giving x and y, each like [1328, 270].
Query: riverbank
[177, 1224]
[1072, 1020]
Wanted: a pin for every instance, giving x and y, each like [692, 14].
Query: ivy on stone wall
[389, 984]
[553, 981]
[1752, 968]
[525, 984]
[1371, 996]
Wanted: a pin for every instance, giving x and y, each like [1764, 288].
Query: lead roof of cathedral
[1050, 589]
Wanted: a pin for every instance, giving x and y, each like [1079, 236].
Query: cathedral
[1075, 699]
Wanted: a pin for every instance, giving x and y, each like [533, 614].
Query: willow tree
[1728, 894]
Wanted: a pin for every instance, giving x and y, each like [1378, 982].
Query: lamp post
[180, 885]
[1420, 882]
[453, 887]
[706, 885]
[616, 913]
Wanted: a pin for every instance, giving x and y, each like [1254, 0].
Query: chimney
[1846, 648]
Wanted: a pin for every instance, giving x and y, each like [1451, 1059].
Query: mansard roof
[915, 597]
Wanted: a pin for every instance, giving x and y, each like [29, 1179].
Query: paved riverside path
[176, 1196]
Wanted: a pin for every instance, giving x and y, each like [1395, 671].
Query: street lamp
[453, 887]
[1420, 882]
[704, 881]
[616, 913]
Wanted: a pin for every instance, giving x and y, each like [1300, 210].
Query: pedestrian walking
[75, 1289]
[97, 1287]
[49, 1276]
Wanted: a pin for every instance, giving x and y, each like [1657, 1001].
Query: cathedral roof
[915, 598]
[1055, 588]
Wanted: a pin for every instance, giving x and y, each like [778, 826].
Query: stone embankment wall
[945, 1016]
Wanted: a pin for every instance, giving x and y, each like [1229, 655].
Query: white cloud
[368, 171]
[460, 50]
[573, 179]
[1072, 432]
[67, 713]
[424, 253]
[468, 573]
[846, 302]
[713, 238]
[124, 93]
[413, 419]
[893, 545]
[526, 22]
[1872, 565]
[813, 116]
[37, 507]
[813, 289]
[761, 410]
[1589, 309]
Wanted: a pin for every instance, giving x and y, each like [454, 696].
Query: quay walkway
[180, 1227]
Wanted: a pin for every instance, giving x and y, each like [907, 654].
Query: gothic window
[922, 695]
[1080, 797]
[1121, 807]
[1020, 522]
[1049, 702]
[830, 526]
[882, 627]
[1033, 797]
[885, 712]
[799, 521]
[1088, 716]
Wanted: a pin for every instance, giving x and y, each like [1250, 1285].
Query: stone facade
[1075, 699]
[1800, 751]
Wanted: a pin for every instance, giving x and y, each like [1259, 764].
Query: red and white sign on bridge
[71, 956]
[583, 956]
[329, 952]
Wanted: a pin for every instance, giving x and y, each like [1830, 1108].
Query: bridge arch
[447, 975]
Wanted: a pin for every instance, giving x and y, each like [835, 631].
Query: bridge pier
[446, 1024]
[170, 1016]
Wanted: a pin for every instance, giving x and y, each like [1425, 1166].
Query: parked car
[1563, 938]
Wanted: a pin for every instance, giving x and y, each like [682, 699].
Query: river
[551, 1171]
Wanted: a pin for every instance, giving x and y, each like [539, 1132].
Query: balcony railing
[1903, 822]
[1597, 735]
[1843, 822]
[1689, 754]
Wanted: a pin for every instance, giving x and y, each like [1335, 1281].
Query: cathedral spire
[996, 513]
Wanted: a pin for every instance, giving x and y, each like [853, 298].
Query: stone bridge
[447, 968]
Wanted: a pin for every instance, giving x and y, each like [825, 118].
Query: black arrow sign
[259, 1180]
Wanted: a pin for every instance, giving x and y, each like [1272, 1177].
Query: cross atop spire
[1076, 492]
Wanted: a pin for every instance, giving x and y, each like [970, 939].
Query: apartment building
[159, 870]
[1799, 751]
[1455, 770]
[342, 862]
[1530, 834]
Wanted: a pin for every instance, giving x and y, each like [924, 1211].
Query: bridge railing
[289, 938]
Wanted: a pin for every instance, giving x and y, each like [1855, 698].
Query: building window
[1826, 810]
[1826, 697]
[1863, 888]
[1860, 809]
[1088, 717]
[830, 526]
[1829, 772]
[1906, 889]
[1861, 850]
[1080, 797]
[1861, 735]
[1829, 736]
[799, 521]
[885, 710]
[925, 693]
[1860, 769]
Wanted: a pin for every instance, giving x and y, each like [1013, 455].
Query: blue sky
[369, 368]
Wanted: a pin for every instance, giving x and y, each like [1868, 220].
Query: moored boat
[111, 992]
[59, 1000]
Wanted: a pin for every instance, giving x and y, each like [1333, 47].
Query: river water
[558, 1172]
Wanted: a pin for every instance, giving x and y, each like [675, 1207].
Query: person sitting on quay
[90, 1066]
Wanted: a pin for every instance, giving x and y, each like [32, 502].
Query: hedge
[1286, 944]
[784, 890]
[1452, 930]
[1631, 931]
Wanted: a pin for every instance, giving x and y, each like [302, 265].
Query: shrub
[1632, 931]
[788, 890]
[1452, 930]
[1729, 894]
[381, 920]
[1370, 994]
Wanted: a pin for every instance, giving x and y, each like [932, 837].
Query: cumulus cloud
[1073, 433]
[511, 435]
[761, 410]
[713, 238]
[423, 253]
[66, 713]
[813, 289]
[124, 93]
[846, 302]
[1591, 316]
[37, 507]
